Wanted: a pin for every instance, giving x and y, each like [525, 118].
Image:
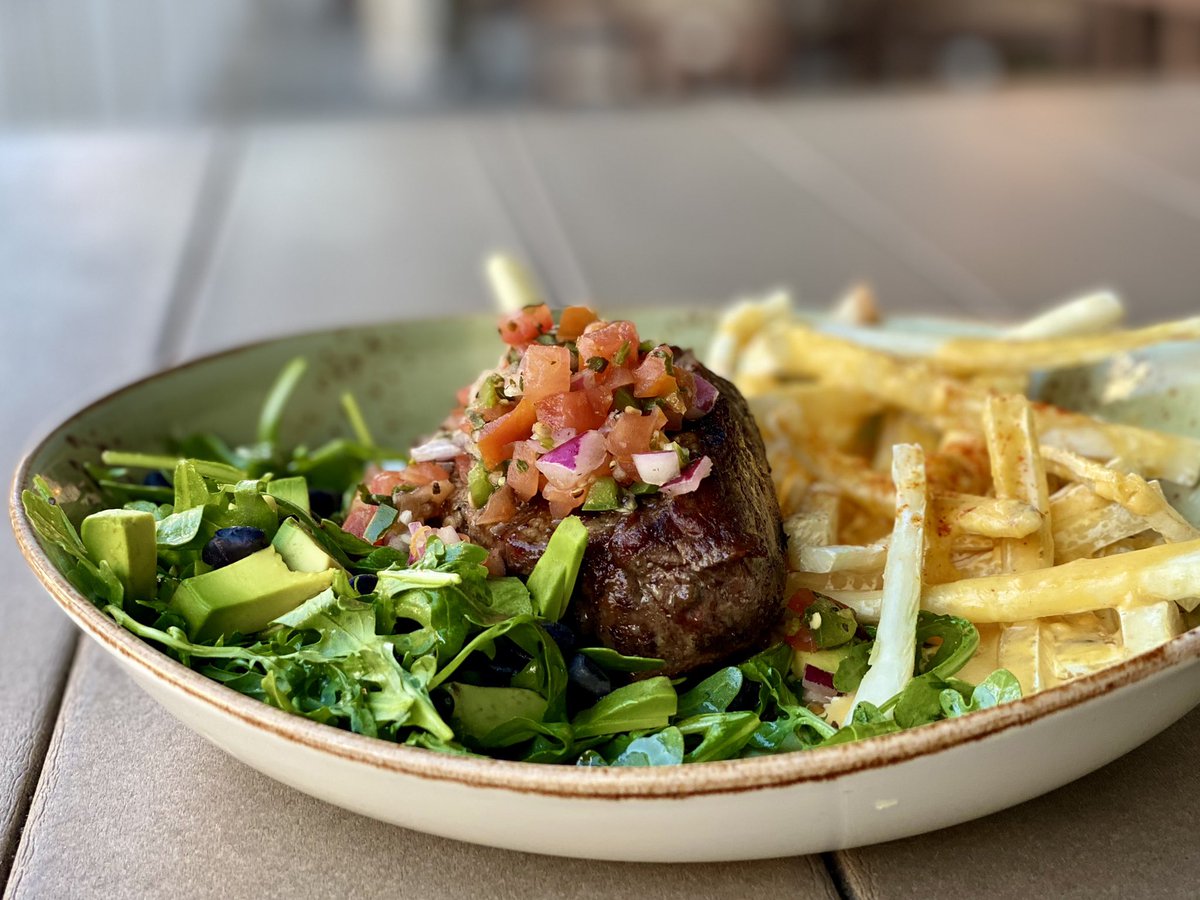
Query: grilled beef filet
[690, 579]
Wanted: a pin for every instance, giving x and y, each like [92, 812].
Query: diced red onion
[658, 467]
[566, 464]
[418, 536]
[437, 450]
[818, 685]
[706, 398]
[690, 479]
[818, 676]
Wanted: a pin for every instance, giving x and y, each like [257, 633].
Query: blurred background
[122, 60]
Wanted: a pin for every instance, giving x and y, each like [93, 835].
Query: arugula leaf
[637, 706]
[217, 471]
[956, 642]
[713, 694]
[663, 748]
[613, 661]
[190, 489]
[999, 687]
[496, 716]
[852, 669]
[723, 735]
[277, 398]
[50, 521]
[179, 530]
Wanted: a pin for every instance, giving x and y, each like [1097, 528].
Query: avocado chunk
[125, 539]
[299, 550]
[244, 596]
[825, 660]
[293, 489]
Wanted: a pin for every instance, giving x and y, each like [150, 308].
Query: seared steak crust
[691, 579]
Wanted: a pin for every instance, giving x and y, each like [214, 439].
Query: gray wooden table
[122, 252]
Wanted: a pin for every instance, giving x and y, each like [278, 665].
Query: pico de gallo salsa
[577, 413]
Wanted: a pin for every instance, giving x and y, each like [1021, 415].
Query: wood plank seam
[51, 719]
[217, 185]
[785, 150]
[211, 207]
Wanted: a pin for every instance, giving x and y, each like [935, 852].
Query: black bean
[589, 680]
[365, 583]
[747, 697]
[443, 703]
[563, 636]
[508, 661]
[156, 479]
[229, 545]
[324, 504]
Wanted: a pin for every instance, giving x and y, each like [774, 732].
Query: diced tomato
[500, 507]
[418, 474]
[545, 370]
[607, 342]
[522, 474]
[495, 439]
[800, 601]
[800, 636]
[463, 395]
[617, 376]
[562, 502]
[522, 327]
[651, 378]
[358, 519]
[631, 434]
[573, 320]
[572, 410]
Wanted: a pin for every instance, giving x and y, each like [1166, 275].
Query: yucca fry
[990, 516]
[1085, 523]
[1153, 453]
[1090, 314]
[513, 285]
[1018, 474]
[868, 558]
[963, 356]
[810, 412]
[814, 525]
[895, 639]
[1169, 572]
[951, 404]
[900, 427]
[833, 582]
[1146, 627]
[858, 306]
[739, 325]
[1140, 497]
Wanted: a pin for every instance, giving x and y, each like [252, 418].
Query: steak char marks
[692, 579]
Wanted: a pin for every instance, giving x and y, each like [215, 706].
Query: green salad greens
[233, 561]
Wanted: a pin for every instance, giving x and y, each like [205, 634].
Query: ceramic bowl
[405, 375]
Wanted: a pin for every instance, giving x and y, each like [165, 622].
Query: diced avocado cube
[294, 490]
[299, 549]
[125, 539]
[552, 580]
[244, 596]
[825, 660]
